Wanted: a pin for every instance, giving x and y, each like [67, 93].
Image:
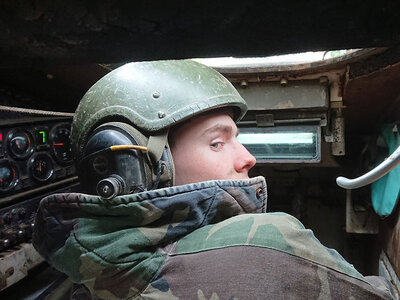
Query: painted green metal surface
[274, 96]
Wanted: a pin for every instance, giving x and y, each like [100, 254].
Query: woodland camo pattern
[208, 240]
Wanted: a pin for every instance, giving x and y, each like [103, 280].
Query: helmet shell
[153, 96]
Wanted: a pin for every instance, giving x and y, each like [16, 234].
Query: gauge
[8, 176]
[20, 144]
[41, 167]
[61, 144]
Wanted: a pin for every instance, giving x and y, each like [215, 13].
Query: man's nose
[244, 160]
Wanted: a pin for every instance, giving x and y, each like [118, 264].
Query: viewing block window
[283, 143]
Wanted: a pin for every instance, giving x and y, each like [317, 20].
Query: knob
[7, 218]
[4, 244]
[21, 235]
[25, 227]
[21, 213]
[110, 187]
[11, 235]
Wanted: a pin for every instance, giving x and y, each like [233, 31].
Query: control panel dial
[61, 144]
[41, 167]
[8, 176]
[20, 144]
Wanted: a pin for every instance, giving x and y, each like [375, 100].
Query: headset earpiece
[110, 173]
[116, 162]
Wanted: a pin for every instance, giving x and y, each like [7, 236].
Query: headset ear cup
[99, 162]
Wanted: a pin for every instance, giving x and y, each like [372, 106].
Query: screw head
[156, 95]
[244, 83]
[284, 81]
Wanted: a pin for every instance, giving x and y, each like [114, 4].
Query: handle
[379, 171]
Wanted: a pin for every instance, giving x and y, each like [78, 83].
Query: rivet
[284, 81]
[161, 114]
[244, 83]
[156, 95]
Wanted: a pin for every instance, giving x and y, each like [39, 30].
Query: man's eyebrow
[219, 127]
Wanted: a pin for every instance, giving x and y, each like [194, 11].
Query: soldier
[176, 215]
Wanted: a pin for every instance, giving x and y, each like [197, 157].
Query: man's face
[206, 148]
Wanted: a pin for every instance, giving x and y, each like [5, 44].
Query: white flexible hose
[379, 171]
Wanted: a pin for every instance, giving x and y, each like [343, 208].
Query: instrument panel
[35, 160]
[33, 155]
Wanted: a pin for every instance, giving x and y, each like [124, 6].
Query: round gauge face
[20, 144]
[61, 144]
[8, 176]
[41, 167]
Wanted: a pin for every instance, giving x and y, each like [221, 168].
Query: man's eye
[216, 146]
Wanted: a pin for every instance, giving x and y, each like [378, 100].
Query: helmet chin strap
[156, 145]
[155, 149]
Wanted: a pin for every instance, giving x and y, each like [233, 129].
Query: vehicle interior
[321, 80]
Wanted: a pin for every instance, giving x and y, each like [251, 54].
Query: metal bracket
[359, 220]
[268, 120]
[265, 120]
[337, 137]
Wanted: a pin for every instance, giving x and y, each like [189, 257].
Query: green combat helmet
[135, 105]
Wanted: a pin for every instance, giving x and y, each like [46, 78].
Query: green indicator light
[43, 133]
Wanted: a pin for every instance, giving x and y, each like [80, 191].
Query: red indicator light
[1, 137]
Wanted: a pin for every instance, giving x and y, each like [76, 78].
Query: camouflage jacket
[209, 240]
